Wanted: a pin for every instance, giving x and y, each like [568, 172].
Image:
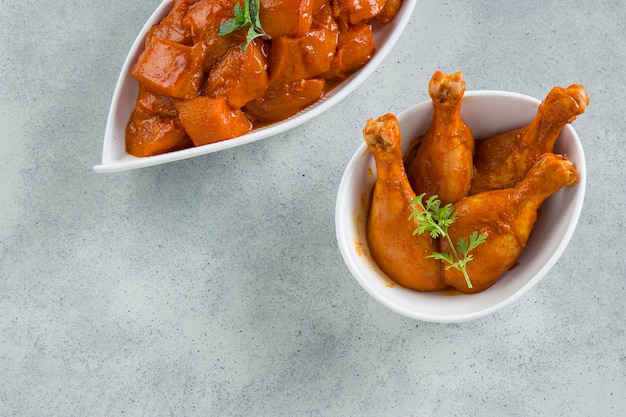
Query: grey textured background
[214, 286]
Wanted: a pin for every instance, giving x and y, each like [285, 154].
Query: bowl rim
[350, 257]
[392, 31]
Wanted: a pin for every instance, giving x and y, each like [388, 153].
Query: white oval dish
[487, 113]
[114, 156]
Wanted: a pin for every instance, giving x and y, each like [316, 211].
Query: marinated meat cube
[171, 69]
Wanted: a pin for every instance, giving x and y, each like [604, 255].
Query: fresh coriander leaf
[441, 257]
[462, 245]
[476, 239]
[430, 217]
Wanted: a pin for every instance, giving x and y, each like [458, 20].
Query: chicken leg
[394, 248]
[508, 217]
[503, 160]
[442, 164]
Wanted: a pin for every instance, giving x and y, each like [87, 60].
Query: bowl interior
[487, 113]
[114, 156]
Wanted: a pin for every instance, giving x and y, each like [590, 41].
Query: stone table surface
[214, 286]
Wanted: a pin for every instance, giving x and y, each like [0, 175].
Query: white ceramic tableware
[114, 156]
[487, 113]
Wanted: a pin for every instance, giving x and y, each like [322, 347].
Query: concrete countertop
[214, 286]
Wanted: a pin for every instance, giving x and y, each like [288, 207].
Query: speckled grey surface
[214, 286]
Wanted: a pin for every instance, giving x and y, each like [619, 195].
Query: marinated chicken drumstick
[507, 217]
[399, 253]
[502, 160]
[442, 164]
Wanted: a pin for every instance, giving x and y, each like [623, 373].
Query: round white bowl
[114, 156]
[487, 113]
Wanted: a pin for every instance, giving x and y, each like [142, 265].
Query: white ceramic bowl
[487, 113]
[114, 156]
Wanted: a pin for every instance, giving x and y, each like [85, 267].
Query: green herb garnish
[248, 15]
[435, 220]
